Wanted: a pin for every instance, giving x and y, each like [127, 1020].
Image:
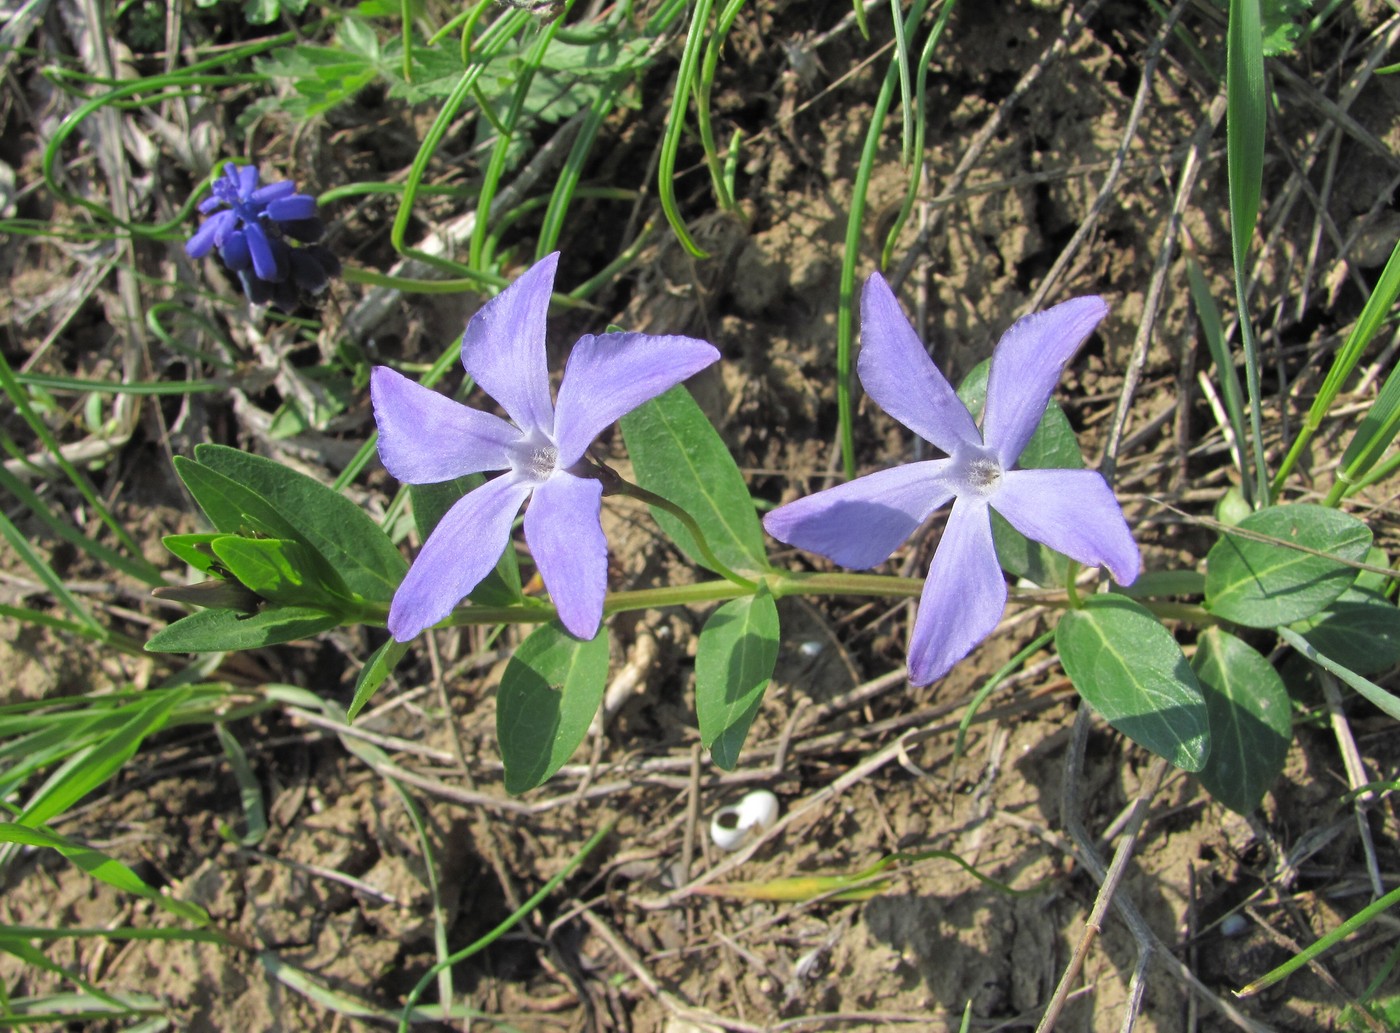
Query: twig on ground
[1109, 880]
[674, 1003]
[1357, 776]
[1083, 852]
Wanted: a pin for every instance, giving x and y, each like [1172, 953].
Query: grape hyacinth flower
[426, 438]
[860, 523]
[254, 227]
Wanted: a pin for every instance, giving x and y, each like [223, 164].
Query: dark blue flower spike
[268, 235]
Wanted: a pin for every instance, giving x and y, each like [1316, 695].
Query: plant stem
[615, 485]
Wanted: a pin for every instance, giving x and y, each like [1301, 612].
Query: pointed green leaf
[733, 664]
[1130, 669]
[90, 767]
[677, 453]
[1385, 701]
[101, 867]
[380, 665]
[549, 693]
[1360, 630]
[230, 506]
[336, 527]
[249, 791]
[1250, 727]
[282, 571]
[221, 631]
[194, 549]
[1263, 584]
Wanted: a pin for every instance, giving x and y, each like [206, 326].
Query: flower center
[979, 471]
[534, 458]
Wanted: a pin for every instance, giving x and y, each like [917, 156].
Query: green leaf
[677, 453]
[281, 571]
[101, 867]
[1249, 720]
[549, 693]
[221, 631]
[1130, 669]
[1360, 630]
[1262, 584]
[734, 662]
[1153, 584]
[90, 767]
[249, 791]
[1375, 433]
[1386, 702]
[337, 528]
[194, 549]
[431, 502]
[379, 666]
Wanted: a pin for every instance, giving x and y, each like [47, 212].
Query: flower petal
[859, 523]
[503, 347]
[963, 598]
[246, 179]
[1026, 366]
[1073, 512]
[609, 375]
[426, 437]
[462, 549]
[234, 252]
[216, 228]
[260, 247]
[297, 206]
[272, 192]
[897, 372]
[566, 539]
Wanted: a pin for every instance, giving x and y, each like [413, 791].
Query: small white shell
[731, 826]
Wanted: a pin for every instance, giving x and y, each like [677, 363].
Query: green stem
[505, 927]
[1306, 956]
[781, 583]
[617, 486]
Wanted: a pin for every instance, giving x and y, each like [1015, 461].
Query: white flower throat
[977, 471]
[534, 457]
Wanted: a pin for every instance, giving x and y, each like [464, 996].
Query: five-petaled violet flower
[860, 523]
[425, 438]
[253, 227]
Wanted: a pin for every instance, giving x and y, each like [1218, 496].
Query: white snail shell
[731, 826]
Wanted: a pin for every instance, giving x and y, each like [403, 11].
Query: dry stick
[1329, 179]
[1318, 969]
[676, 1005]
[1156, 290]
[1193, 949]
[106, 139]
[1335, 116]
[459, 752]
[692, 814]
[1109, 879]
[1084, 852]
[1357, 777]
[1074, 23]
[1110, 181]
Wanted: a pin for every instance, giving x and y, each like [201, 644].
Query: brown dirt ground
[863, 764]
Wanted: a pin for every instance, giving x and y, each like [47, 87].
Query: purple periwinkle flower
[860, 523]
[425, 438]
[254, 229]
